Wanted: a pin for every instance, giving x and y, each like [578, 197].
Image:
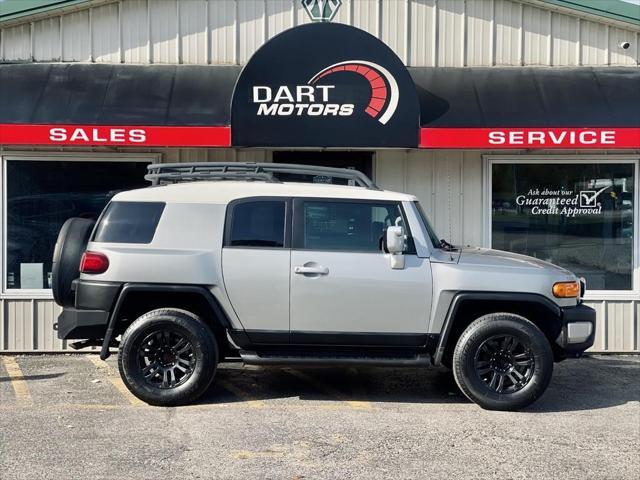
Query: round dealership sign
[325, 85]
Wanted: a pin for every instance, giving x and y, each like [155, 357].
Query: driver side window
[344, 225]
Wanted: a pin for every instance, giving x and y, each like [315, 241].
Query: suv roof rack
[166, 173]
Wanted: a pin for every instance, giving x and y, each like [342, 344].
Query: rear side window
[257, 224]
[129, 222]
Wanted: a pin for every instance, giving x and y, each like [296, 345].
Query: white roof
[222, 192]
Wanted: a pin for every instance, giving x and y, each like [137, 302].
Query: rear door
[343, 289]
[256, 263]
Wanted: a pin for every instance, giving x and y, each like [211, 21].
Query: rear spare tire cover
[71, 244]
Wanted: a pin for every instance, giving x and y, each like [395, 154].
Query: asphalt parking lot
[69, 416]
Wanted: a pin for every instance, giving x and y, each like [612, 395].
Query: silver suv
[215, 261]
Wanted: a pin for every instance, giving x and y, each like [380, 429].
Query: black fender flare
[128, 288]
[460, 297]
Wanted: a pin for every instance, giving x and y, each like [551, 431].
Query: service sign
[530, 138]
[325, 85]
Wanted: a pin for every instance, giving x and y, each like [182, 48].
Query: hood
[501, 259]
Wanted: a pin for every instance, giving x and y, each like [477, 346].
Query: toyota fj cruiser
[193, 270]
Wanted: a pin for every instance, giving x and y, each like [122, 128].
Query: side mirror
[395, 244]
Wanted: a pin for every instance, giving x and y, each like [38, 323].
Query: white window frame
[46, 293]
[490, 160]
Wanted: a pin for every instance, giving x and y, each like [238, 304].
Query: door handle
[313, 270]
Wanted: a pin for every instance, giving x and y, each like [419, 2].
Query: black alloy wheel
[504, 363]
[166, 358]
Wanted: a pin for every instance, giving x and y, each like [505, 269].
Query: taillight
[93, 262]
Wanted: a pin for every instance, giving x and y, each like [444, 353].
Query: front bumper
[76, 324]
[578, 329]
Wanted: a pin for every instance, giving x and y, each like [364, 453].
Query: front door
[343, 289]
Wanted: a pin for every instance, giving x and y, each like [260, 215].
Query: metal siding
[222, 30]
[46, 314]
[600, 344]
[619, 56]
[564, 39]
[619, 326]
[193, 31]
[394, 19]
[593, 40]
[450, 33]
[447, 194]
[421, 32]
[17, 323]
[437, 178]
[135, 36]
[508, 21]
[419, 179]
[390, 170]
[280, 16]
[536, 36]
[479, 33]
[76, 38]
[471, 191]
[366, 15]
[251, 19]
[46, 39]
[16, 43]
[105, 34]
[164, 31]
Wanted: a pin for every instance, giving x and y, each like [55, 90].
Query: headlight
[566, 289]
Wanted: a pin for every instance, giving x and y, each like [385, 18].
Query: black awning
[190, 95]
[93, 94]
[161, 105]
[528, 97]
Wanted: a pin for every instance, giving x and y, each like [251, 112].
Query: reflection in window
[347, 226]
[579, 216]
[42, 195]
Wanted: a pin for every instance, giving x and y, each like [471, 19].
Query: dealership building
[515, 122]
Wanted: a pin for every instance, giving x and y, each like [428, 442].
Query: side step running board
[255, 358]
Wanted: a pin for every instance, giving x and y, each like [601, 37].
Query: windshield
[432, 234]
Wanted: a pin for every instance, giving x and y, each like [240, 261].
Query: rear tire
[502, 361]
[70, 245]
[168, 357]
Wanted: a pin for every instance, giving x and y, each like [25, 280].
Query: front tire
[168, 357]
[502, 361]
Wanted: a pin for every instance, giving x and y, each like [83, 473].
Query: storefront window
[577, 215]
[41, 196]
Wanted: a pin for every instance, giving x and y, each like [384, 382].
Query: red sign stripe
[454, 138]
[115, 135]
[539, 138]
